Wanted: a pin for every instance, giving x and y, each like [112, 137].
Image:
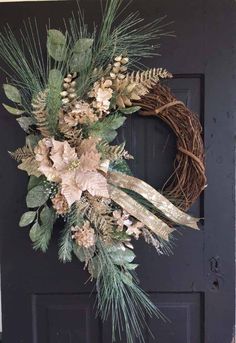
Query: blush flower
[102, 93]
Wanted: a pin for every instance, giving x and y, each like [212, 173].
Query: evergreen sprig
[120, 296]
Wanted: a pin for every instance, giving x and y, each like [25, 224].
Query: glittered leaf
[34, 232]
[55, 78]
[120, 166]
[131, 266]
[25, 123]
[79, 252]
[81, 55]
[35, 181]
[41, 233]
[121, 257]
[82, 45]
[114, 121]
[83, 254]
[27, 218]
[12, 93]
[106, 129]
[30, 165]
[94, 267]
[78, 62]
[37, 196]
[130, 110]
[56, 45]
[32, 140]
[13, 110]
[127, 279]
[47, 216]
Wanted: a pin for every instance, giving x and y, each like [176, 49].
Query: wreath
[70, 108]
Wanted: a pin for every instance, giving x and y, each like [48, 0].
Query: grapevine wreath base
[70, 109]
[188, 179]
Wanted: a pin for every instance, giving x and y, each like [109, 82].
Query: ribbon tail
[136, 210]
[155, 198]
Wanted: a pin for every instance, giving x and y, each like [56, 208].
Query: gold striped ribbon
[155, 198]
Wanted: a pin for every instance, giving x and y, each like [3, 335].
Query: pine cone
[60, 204]
[84, 236]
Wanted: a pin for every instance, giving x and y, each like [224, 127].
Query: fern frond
[22, 153]
[148, 78]
[40, 113]
[136, 85]
[113, 152]
[72, 135]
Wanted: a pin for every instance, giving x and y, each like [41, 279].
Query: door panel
[65, 318]
[48, 302]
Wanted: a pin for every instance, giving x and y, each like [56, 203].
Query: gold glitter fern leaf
[137, 84]
[114, 152]
[40, 112]
[21, 153]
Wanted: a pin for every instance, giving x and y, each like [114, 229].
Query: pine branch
[120, 296]
[66, 244]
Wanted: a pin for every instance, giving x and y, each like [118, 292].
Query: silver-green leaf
[34, 181]
[55, 78]
[83, 45]
[47, 216]
[25, 123]
[32, 140]
[130, 110]
[121, 257]
[79, 253]
[12, 93]
[131, 266]
[34, 232]
[27, 218]
[81, 55]
[13, 110]
[56, 45]
[37, 196]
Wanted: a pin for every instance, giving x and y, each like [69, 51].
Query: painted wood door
[48, 302]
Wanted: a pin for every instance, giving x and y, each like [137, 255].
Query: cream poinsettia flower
[63, 156]
[85, 177]
[54, 158]
[75, 173]
[76, 182]
[42, 155]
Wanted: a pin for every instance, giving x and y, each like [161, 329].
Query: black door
[48, 302]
